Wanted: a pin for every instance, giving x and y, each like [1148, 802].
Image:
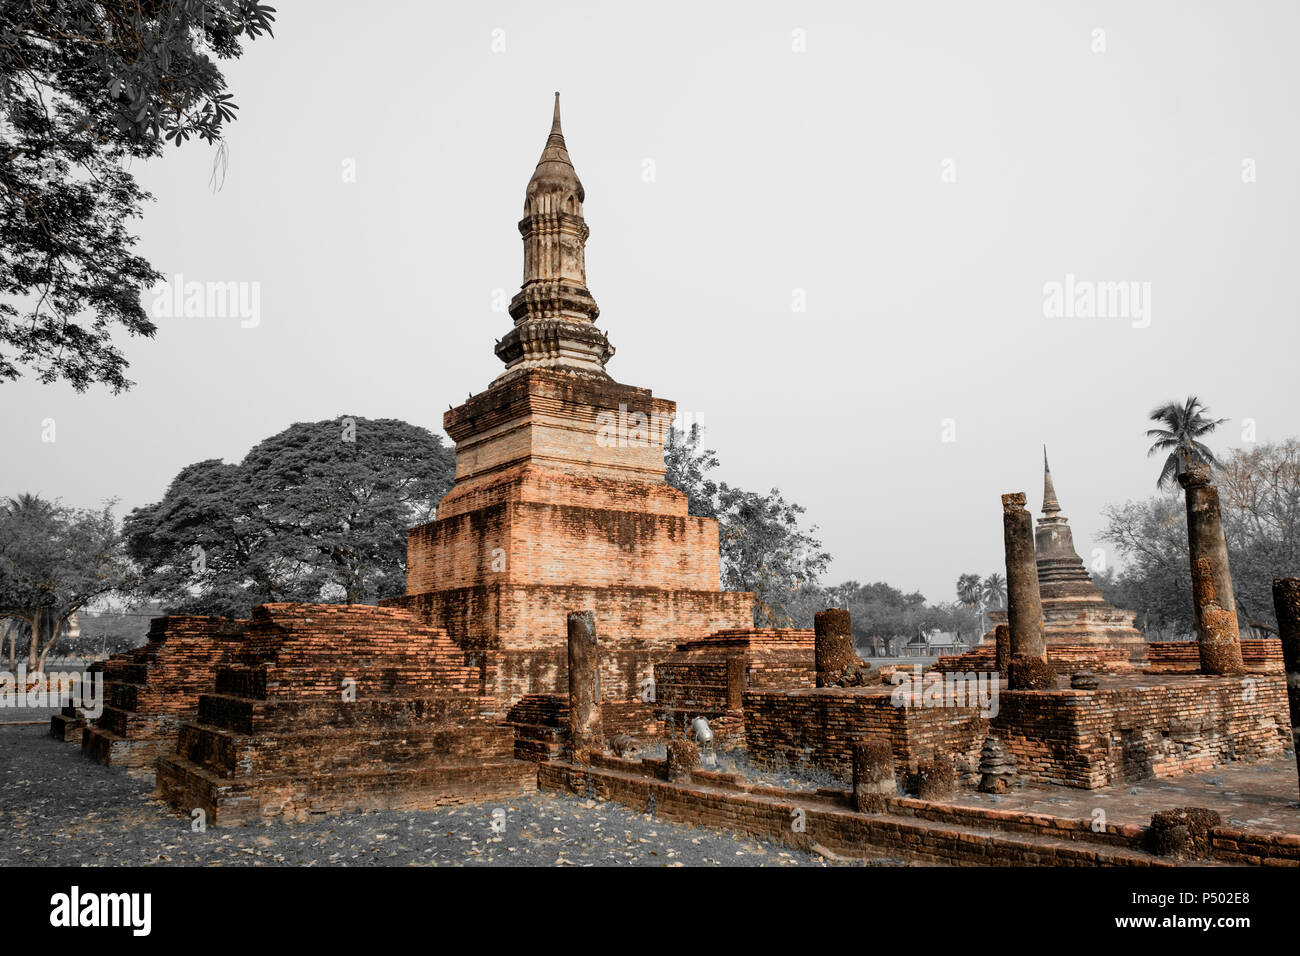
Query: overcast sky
[918, 171]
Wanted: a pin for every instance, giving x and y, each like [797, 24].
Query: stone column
[833, 647]
[1002, 647]
[873, 775]
[1028, 668]
[1286, 602]
[1216, 608]
[1217, 637]
[1205, 529]
[683, 756]
[737, 681]
[584, 687]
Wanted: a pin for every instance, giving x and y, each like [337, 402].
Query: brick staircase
[541, 726]
[332, 708]
[150, 690]
[69, 723]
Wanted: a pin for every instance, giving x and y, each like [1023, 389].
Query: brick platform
[1129, 729]
[150, 690]
[278, 738]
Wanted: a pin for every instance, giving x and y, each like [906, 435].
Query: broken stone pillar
[1028, 668]
[833, 647]
[1184, 833]
[936, 778]
[1217, 637]
[683, 756]
[1286, 602]
[1216, 633]
[873, 775]
[737, 681]
[584, 687]
[1002, 643]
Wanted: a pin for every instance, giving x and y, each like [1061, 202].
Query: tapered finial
[1050, 505]
[555, 121]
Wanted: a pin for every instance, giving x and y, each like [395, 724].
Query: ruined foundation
[151, 690]
[331, 708]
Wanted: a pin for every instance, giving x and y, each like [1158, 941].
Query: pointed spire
[557, 134]
[555, 169]
[553, 311]
[1051, 506]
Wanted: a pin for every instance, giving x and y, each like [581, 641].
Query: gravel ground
[57, 808]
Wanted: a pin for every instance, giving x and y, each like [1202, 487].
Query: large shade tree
[85, 90]
[54, 561]
[318, 512]
[764, 548]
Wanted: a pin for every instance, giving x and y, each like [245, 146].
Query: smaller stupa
[1074, 611]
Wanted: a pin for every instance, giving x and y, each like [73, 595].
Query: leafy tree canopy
[763, 547]
[55, 560]
[1259, 495]
[85, 88]
[318, 512]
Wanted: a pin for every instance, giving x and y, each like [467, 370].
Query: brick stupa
[560, 502]
[1074, 610]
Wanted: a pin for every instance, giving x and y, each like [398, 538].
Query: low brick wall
[913, 830]
[1125, 731]
[1183, 657]
[817, 728]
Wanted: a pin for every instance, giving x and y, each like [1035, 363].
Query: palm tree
[968, 590]
[1183, 427]
[993, 591]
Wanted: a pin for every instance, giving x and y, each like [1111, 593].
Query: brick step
[231, 755]
[137, 755]
[188, 786]
[67, 727]
[541, 709]
[243, 715]
[128, 723]
[537, 742]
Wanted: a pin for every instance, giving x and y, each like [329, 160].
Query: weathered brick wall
[1124, 732]
[694, 679]
[818, 728]
[1065, 658]
[1183, 657]
[521, 632]
[541, 724]
[524, 542]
